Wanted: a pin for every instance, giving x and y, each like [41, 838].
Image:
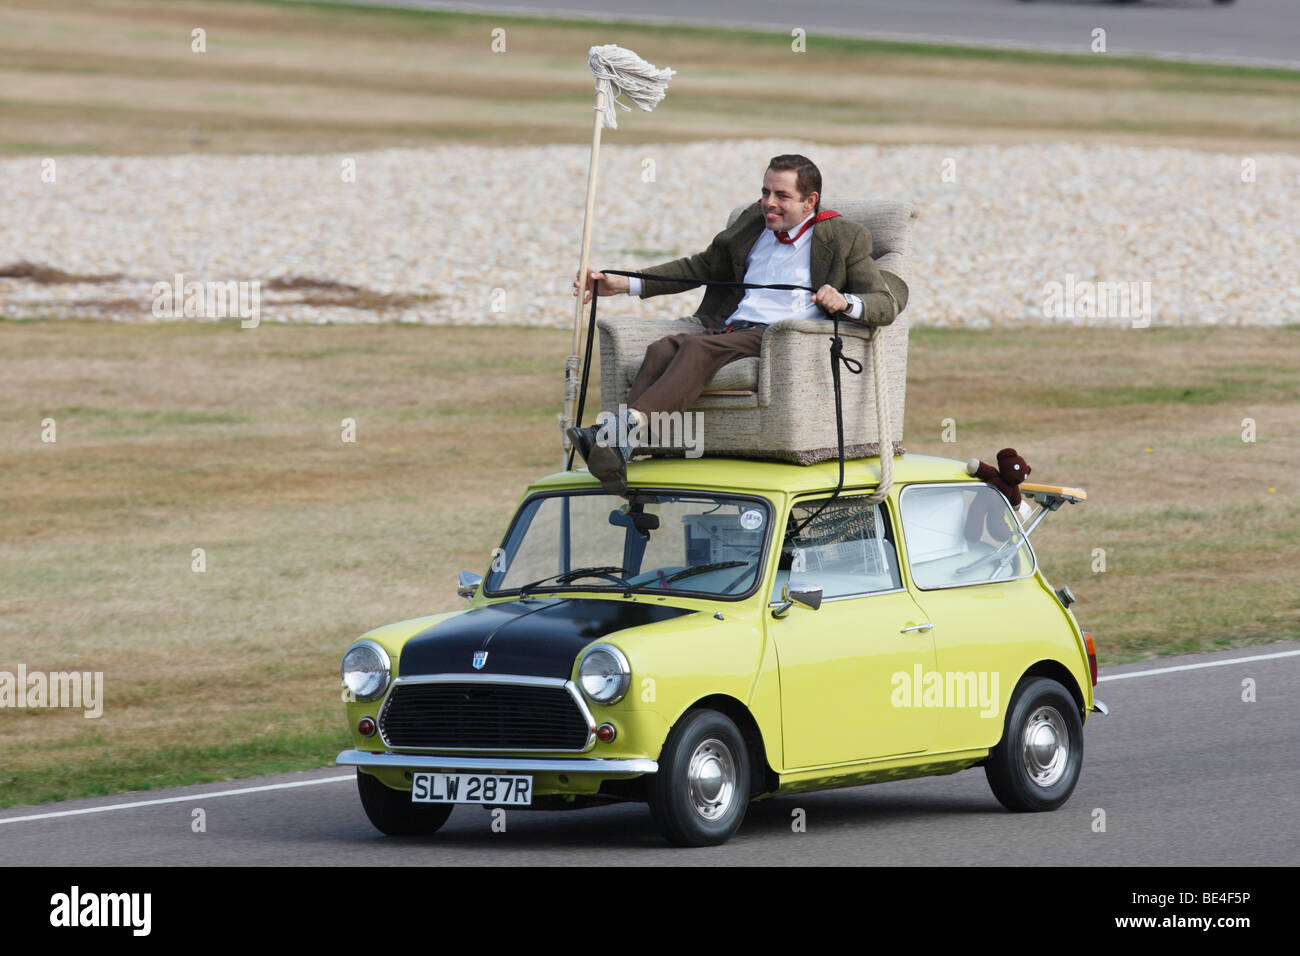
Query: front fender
[674, 665]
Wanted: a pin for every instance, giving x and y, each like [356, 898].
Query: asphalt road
[1187, 773]
[1248, 31]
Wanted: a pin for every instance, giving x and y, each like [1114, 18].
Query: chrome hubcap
[711, 779]
[1046, 746]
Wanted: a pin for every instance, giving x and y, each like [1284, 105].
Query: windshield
[659, 542]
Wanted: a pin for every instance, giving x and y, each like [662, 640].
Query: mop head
[621, 72]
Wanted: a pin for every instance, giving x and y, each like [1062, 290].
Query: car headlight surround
[604, 674]
[366, 670]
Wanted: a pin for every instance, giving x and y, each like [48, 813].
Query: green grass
[139, 421]
[1232, 389]
[150, 769]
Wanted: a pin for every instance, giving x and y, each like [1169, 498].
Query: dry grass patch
[48, 275]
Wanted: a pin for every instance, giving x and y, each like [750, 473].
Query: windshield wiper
[702, 569]
[684, 573]
[564, 577]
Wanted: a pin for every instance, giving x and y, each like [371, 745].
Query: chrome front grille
[460, 714]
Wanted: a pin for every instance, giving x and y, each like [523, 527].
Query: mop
[618, 72]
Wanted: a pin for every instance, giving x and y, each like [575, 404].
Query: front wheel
[701, 792]
[1036, 764]
[393, 813]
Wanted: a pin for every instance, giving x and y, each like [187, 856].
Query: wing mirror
[467, 583]
[809, 597]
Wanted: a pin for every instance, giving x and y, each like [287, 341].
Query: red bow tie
[824, 214]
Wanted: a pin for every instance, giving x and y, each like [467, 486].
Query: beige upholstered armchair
[780, 405]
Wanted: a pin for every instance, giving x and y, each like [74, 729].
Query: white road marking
[191, 798]
[1192, 667]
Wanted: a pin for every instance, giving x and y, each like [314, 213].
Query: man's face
[783, 207]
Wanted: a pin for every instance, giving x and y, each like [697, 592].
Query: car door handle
[927, 626]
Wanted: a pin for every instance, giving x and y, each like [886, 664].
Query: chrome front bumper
[596, 765]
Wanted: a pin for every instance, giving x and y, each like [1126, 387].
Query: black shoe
[606, 463]
[582, 439]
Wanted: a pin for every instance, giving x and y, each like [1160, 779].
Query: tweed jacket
[840, 257]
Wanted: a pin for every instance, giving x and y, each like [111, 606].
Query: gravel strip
[462, 235]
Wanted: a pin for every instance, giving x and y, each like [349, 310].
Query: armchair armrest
[880, 309]
[793, 346]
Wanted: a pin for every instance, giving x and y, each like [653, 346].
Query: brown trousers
[677, 367]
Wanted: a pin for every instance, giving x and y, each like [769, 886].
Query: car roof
[738, 474]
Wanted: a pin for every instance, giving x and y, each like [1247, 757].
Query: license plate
[472, 788]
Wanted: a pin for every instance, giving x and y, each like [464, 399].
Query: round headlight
[604, 674]
[365, 670]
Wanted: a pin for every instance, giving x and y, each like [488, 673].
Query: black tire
[709, 810]
[393, 813]
[1028, 779]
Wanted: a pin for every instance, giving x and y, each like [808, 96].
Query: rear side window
[962, 534]
[848, 549]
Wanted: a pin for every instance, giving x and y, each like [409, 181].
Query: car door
[846, 668]
[973, 573]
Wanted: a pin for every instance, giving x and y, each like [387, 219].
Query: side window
[847, 549]
[962, 534]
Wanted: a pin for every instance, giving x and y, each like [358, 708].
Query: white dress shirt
[772, 262]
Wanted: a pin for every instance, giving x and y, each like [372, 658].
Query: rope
[718, 282]
[853, 365]
[620, 72]
[883, 427]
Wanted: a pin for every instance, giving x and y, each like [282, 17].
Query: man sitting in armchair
[783, 239]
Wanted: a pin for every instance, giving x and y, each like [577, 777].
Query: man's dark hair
[807, 177]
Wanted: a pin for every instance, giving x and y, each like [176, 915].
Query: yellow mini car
[726, 631]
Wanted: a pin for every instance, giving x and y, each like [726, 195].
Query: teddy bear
[1006, 478]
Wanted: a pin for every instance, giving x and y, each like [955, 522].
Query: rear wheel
[1036, 764]
[393, 813]
[701, 792]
